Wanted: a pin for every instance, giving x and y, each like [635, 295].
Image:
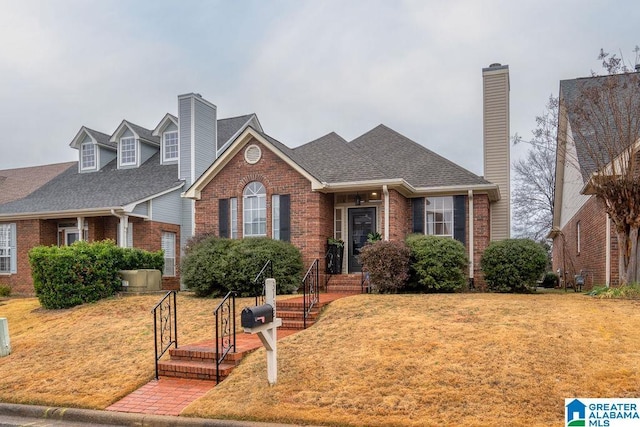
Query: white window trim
[95, 156]
[164, 150]
[135, 151]
[426, 217]
[233, 217]
[245, 199]
[275, 216]
[10, 248]
[169, 241]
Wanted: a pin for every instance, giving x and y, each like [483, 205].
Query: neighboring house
[196, 174]
[125, 186]
[584, 238]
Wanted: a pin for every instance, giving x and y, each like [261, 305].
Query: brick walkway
[169, 396]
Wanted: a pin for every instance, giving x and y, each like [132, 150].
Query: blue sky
[306, 68]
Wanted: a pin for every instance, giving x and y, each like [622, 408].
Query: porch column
[385, 191]
[470, 228]
[80, 228]
[123, 231]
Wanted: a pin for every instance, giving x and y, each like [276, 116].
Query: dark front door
[362, 221]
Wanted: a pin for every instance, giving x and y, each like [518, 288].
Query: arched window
[254, 210]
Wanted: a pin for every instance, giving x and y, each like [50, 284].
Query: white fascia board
[120, 130]
[131, 206]
[62, 214]
[409, 190]
[77, 140]
[492, 190]
[194, 192]
[159, 129]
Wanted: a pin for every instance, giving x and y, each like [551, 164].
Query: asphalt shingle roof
[107, 188]
[379, 154]
[229, 126]
[20, 182]
[588, 154]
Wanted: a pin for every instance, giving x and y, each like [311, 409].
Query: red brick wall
[592, 256]
[481, 235]
[399, 216]
[32, 233]
[311, 212]
[147, 235]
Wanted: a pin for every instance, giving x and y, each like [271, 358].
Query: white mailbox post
[268, 332]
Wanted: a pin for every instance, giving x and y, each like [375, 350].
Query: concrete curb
[119, 418]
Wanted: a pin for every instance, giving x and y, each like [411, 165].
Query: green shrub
[214, 266]
[5, 290]
[84, 272]
[631, 291]
[387, 263]
[550, 280]
[513, 265]
[437, 264]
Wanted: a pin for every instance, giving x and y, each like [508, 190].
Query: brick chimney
[497, 159]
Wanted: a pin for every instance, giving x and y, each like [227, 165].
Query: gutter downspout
[470, 228]
[385, 191]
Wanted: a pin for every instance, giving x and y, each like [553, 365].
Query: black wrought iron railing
[225, 315]
[310, 290]
[258, 282]
[165, 326]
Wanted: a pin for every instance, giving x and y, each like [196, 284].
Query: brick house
[194, 173]
[125, 186]
[584, 237]
[380, 182]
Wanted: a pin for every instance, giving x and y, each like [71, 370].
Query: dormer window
[88, 155]
[170, 145]
[128, 151]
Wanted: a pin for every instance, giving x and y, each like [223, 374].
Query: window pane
[5, 248]
[88, 156]
[171, 145]
[255, 209]
[127, 151]
[169, 247]
[439, 216]
[233, 203]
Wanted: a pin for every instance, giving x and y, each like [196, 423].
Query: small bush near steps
[387, 263]
[213, 266]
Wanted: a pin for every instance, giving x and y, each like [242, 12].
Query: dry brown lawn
[374, 360]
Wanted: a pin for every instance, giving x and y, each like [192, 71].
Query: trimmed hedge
[387, 263]
[67, 276]
[513, 265]
[437, 264]
[213, 266]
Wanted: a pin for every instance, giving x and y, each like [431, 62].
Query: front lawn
[375, 360]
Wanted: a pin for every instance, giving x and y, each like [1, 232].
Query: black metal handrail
[310, 290]
[258, 285]
[165, 317]
[225, 314]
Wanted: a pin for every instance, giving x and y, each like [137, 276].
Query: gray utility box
[5, 342]
[256, 316]
[143, 280]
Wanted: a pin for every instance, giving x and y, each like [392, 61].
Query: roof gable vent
[252, 154]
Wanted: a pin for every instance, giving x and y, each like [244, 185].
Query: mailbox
[256, 316]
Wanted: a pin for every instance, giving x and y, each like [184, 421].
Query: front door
[362, 221]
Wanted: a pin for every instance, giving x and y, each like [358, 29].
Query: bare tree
[604, 115]
[534, 177]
